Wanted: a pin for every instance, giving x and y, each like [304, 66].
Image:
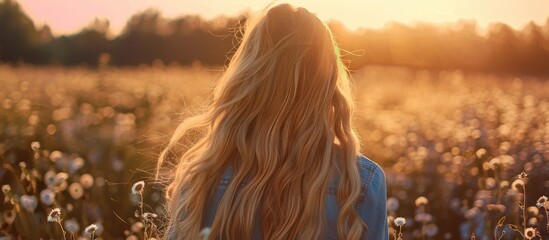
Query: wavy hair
[281, 116]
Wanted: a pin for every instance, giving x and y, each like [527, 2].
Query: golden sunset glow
[66, 17]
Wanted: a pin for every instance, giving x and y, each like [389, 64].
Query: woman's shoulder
[372, 178]
[370, 171]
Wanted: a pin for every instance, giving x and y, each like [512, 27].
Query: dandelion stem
[546, 218]
[501, 236]
[142, 218]
[62, 230]
[522, 234]
[498, 225]
[524, 208]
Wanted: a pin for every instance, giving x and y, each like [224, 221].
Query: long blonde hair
[281, 116]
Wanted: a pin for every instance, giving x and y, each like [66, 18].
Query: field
[452, 145]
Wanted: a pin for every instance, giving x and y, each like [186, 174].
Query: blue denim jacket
[371, 206]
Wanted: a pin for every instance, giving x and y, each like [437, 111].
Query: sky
[70, 16]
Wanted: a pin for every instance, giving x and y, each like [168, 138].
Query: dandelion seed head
[392, 204]
[49, 178]
[92, 228]
[9, 216]
[530, 233]
[421, 201]
[494, 163]
[54, 215]
[532, 221]
[6, 188]
[29, 202]
[76, 164]
[522, 175]
[60, 182]
[480, 152]
[517, 185]
[400, 221]
[138, 187]
[35, 146]
[532, 211]
[47, 197]
[490, 183]
[71, 226]
[61, 177]
[542, 202]
[504, 184]
[56, 156]
[76, 191]
[86, 180]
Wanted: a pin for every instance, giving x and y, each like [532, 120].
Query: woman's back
[371, 205]
[282, 115]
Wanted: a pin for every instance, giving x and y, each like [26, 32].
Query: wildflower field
[466, 155]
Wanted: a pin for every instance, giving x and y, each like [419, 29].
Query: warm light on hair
[281, 115]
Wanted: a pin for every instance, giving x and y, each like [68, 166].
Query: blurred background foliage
[148, 37]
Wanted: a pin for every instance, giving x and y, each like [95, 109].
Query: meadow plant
[399, 222]
[147, 218]
[76, 138]
[54, 195]
[526, 232]
[90, 230]
[55, 216]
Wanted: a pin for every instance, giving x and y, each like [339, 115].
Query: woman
[275, 155]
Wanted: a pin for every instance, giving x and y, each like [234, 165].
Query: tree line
[148, 37]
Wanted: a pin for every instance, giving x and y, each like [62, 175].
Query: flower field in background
[78, 149]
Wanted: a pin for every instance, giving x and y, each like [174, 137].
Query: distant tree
[503, 43]
[534, 54]
[139, 42]
[18, 37]
[148, 37]
[463, 46]
[84, 47]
